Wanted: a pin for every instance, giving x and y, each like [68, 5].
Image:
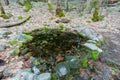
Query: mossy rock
[54, 40]
[4, 16]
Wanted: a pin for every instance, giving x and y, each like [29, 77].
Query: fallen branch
[16, 23]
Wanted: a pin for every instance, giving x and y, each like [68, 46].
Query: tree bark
[1, 9]
[6, 2]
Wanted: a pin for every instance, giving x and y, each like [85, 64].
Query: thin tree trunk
[1, 9]
[6, 2]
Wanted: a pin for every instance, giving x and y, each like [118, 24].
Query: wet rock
[73, 61]
[44, 76]
[62, 69]
[93, 47]
[35, 70]
[2, 47]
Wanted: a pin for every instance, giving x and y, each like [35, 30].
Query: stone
[24, 51]
[21, 37]
[44, 76]
[91, 34]
[35, 70]
[13, 52]
[73, 61]
[93, 47]
[2, 47]
[6, 72]
[14, 78]
[62, 69]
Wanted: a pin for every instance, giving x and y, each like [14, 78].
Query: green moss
[4, 16]
[20, 17]
[94, 55]
[84, 62]
[95, 17]
[57, 40]
[88, 21]
[50, 6]
[101, 17]
[12, 42]
[28, 5]
[59, 12]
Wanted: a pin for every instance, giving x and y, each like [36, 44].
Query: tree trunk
[6, 2]
[1, 9]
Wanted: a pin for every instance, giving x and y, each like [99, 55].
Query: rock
[91, 34]
[2, 47]
[21, 37]
[44, 76]
[93, 47]
[13, 52]
[24, 51]
[25, 74]
[73, 61]
[4, 32]
[28, 55]
[6, 72]
[35, 70]
[14, 78]
[78, 77]
[2, 62]
[62, 69]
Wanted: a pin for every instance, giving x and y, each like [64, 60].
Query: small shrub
[59, 12]
[95, 17]
[84, 62]
[94, 55]
[20, 17]
[28, 5]
[50, 6]
[4, 16]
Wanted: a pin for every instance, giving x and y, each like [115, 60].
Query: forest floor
[40, 15]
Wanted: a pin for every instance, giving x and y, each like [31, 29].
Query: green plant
[94, 54]
[50, 6]
[12, 42]
[4, 16]
[101, 17]
[84, 62]
[20, 17]
[27, 5]
[54, 77]
[88, 21]
[59, 12]
[95, 17]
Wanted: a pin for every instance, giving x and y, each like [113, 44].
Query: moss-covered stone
[54, 40]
